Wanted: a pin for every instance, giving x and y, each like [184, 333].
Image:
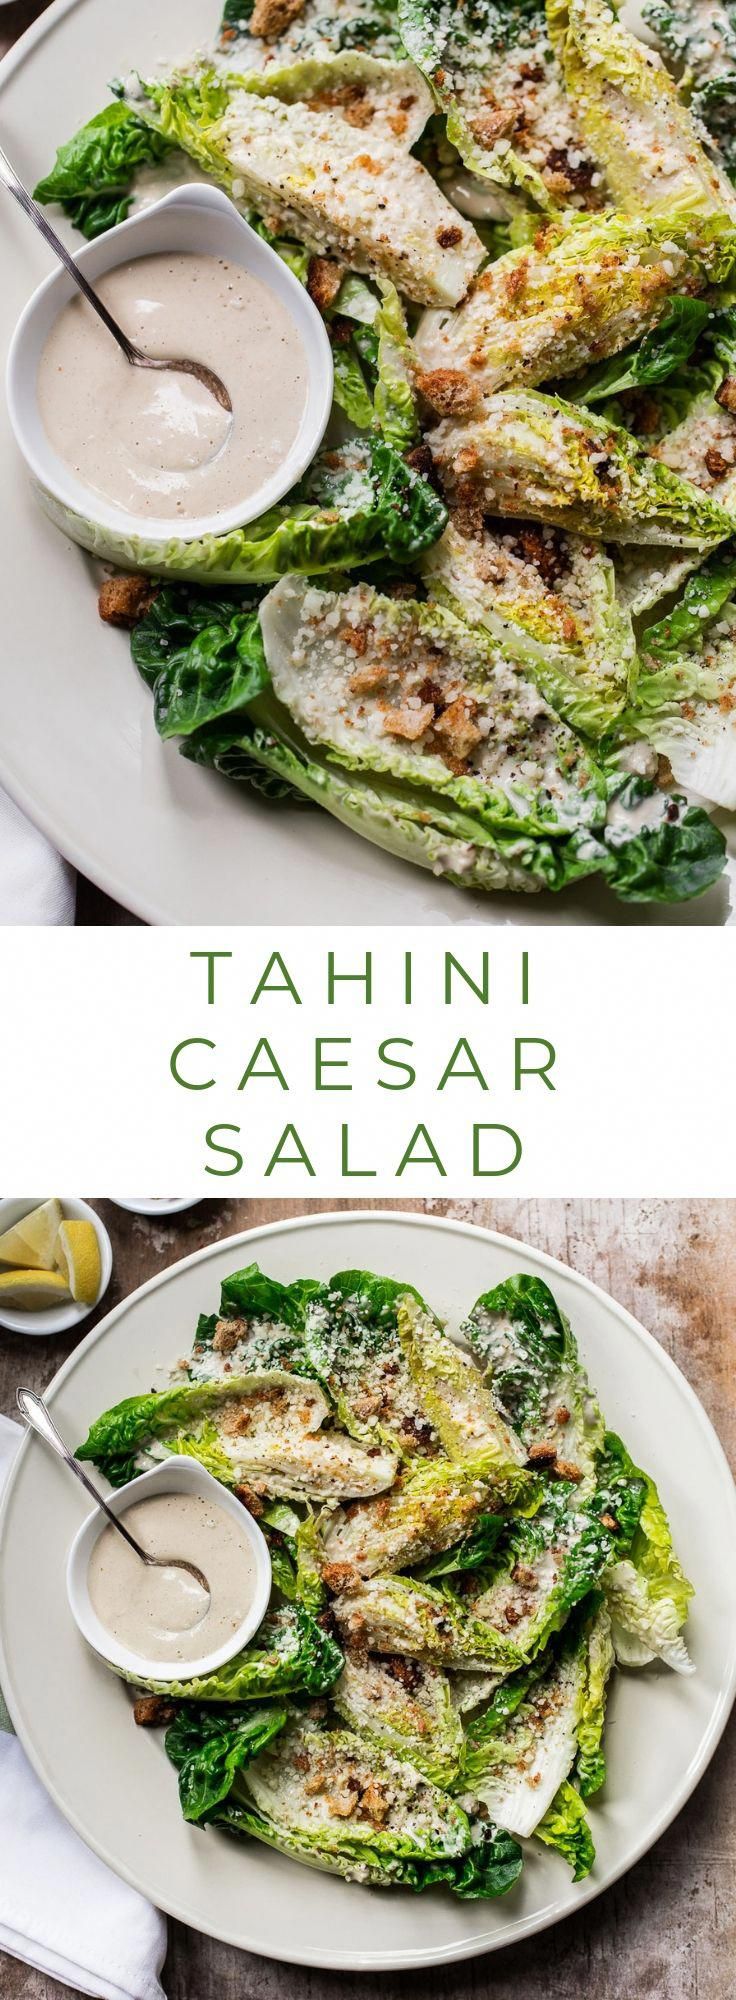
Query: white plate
[78, 749]
[113, 1781]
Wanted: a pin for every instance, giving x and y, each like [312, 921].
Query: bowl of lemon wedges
[55, 1264]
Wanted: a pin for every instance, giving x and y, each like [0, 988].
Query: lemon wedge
[31, 1291]
[79, 1261]
[31, 1244]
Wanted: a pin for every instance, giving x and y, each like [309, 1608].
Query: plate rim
[413, 1958]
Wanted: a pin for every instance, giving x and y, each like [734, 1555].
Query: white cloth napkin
[61, 1910]
[36, 886]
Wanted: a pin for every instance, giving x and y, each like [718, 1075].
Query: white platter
[78, 749]
[113, 1781]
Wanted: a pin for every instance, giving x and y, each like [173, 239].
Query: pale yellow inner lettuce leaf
[277, 1435]
[577, 293]
[540, 458]
[551, 598]
[428, 1510]
[453, 1392]
[407, 1706]
[633, 117]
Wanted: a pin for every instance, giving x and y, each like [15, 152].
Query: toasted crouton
[458, 729]
[409, 723]
[323, 282]
[448, 391]
[270, 18]
[150, 1711]
[125, 599]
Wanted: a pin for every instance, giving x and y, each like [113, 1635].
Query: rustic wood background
[667, 1931]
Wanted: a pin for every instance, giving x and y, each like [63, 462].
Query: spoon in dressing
[37, 1417]
[133, 354]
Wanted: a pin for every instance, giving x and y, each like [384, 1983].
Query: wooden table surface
[667, 1931]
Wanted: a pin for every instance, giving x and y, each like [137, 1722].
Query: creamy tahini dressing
[162, 1613]
[157, 443]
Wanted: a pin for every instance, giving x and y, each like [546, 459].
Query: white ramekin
[173, 1475]
[194, 218]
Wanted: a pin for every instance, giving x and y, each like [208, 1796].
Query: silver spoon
[37, 1417]
[132, 353]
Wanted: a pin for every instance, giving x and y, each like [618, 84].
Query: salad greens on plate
[492, 630]
[463, 1557]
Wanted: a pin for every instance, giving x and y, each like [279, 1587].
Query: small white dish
[155, 1207]
[194, 218]
[54, 1319]
[174, 1475]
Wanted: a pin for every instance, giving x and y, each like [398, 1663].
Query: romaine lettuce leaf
[528, 1350]
[550, 600]
[407, 689]
[394, 398]
[347, 1796]
[520, 1750]
[259, 1323]
[290, 1654]
[648, 1593]
[652, 360]
[394, 1374]
[209, 1747]
[678, 853]
[399, 1614]
[93, 174]
[202, 658]
[473, 1552]
[357, 504]
[685, 699]
[565, 1827]
[286, 142]
[354, 1345]
[544, 1566]
[430, 1507]
[407, 1707]
[547, 460]
[590, 1764]
[697, 39]
[263, 1429]
[350, 389]
[635, 121]
[461, 1408]
[582, 290]
[489, 1866]
[684, 627]
[494, 74]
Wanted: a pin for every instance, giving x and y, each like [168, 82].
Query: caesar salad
[463, 1557]
[493, 628]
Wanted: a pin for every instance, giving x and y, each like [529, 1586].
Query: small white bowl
[174, 1475]
[54, 1319]
[194, 218]
[154, 1207]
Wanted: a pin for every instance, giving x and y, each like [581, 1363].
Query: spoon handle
[33, 1408]
[30, 207]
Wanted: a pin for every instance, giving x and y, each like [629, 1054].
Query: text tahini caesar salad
[461, 1552]
[494, 627]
